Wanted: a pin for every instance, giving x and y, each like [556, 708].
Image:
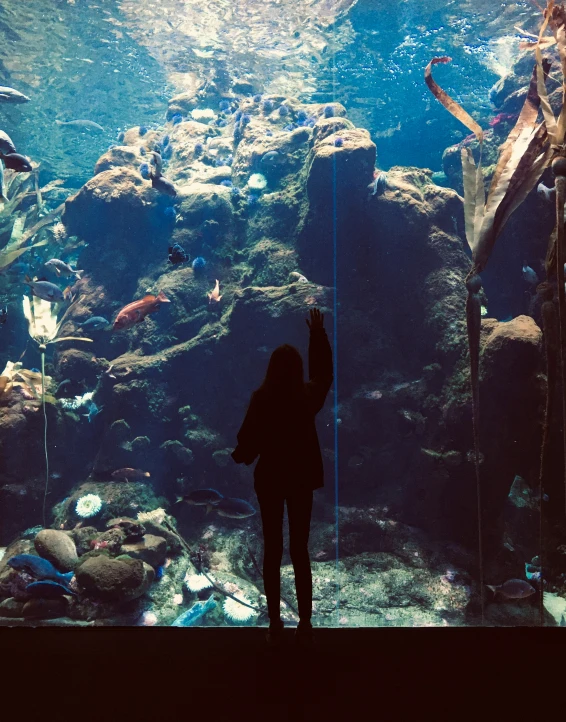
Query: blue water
[232, 175]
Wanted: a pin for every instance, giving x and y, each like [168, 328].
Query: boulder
[182, 104]
[149, 577]
[11, 607]
[113, 202]
[58, 548]
[110, 579]
[203, 201]
[120, 155]
[511, 348]
[151, 549]
[45, 608]
[346, 170]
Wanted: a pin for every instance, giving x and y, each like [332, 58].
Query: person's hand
[316, 320]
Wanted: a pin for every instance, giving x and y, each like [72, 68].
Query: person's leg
[272, 507]
[299, 508]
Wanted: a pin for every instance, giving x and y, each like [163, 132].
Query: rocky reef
[281, 204]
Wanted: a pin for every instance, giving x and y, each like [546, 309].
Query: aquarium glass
[182, 183]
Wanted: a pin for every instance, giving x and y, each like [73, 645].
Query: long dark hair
[285, 376]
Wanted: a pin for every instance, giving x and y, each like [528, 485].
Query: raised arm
[320, 361]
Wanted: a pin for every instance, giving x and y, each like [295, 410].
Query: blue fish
[48, 589]
[38, 568]
[192, 615]
[95, 323]
[233, 508]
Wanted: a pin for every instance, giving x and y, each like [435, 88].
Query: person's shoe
[274, 634]
[304, 634]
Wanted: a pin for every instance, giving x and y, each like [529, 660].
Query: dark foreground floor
[133, 675]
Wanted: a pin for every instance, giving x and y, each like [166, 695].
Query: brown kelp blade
[449, 103]
[474, 196]
[71, 338]
[531, 154]
[527, 119]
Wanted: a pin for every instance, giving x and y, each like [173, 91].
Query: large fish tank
[312, 167]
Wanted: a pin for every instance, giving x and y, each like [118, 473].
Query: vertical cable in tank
[335, 352]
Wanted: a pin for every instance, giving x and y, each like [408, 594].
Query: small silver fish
[529, 275]
[513, 589]
[549, 194]
[6, 144]
[46, 290]
[2, 194]
[63, 269]
[80, 124]
[9, 95]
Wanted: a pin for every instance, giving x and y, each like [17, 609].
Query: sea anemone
[149, 619]
[196, 582]
[203, 115]
[310, 122]
[177, 118]
[338, 142]
[144, 171]
[246, 119]
[257, 98]
[237, 115]
[142, 130]
[267, 106]
[283, 110]
[221, 123]
[199, 263]
[142, 150]
[227, 183]
[167, 152]
[237, 612]
[88, 505]
[253, 199]
[301, 115]
[59, 232]
[257, 182]
[235, 192]
[328, 111]
[199, 147]
[155, 515]
[224, 105]
[290, 127]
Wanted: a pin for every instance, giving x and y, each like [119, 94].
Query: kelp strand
[473, 320]
[551, 341]
[559, 168]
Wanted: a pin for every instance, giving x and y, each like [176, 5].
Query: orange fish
[137, 311]
[214, 295]
[128, 474]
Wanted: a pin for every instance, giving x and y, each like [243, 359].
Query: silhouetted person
[280, 428]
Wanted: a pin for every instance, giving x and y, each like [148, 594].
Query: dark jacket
[282, 431]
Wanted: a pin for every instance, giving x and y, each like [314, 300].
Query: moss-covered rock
[151, 549]
[110, 579]
[57, 547]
